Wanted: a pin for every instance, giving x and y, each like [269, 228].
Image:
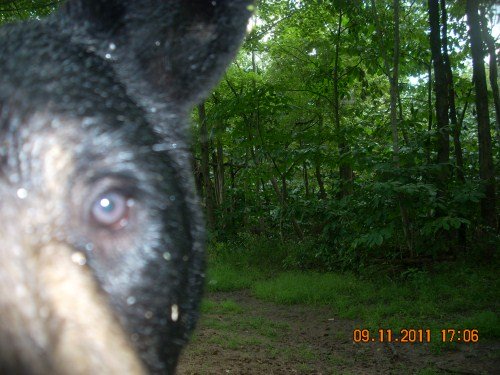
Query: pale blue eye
[107, 205]
[110, 209]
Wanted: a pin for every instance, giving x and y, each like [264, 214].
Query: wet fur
[94, 99]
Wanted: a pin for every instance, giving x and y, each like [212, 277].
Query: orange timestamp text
[412, 335]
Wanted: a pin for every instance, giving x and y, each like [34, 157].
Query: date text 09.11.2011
[415, 335]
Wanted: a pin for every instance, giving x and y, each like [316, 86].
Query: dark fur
[121, 77]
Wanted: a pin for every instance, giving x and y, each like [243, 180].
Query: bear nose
[53, 316]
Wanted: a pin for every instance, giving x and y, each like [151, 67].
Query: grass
[428, 371]
[234, 330]
[436, 301]
[225, 278]
[337, 360]
[234, 341]
[227, 306]
[453, 295]
[225, 316]
[256, 325]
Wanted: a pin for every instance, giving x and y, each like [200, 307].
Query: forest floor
[239, 334]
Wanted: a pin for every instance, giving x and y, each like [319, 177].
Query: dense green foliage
[308, 97]
[324, 132]
[12, 10]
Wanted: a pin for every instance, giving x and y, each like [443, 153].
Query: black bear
[101, 238]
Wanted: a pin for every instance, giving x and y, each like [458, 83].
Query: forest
[367, 131]
[359, 137]
[356, 128]
[352, 147]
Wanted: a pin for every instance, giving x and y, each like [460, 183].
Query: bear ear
[178, 48]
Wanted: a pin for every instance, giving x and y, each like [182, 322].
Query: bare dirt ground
[266, 338]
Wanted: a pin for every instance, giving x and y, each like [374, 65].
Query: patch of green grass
[234, 341]
[219, 339]
[451, 295]
[336, 360]
[314, 288]
[428, 371]
[207, 306]
[272, 351]
[253, 341]
[225, 278]
[438, 346]
[218, 323]
[230, 306]
[343, 372]
[288, 353]
[486, 322]
[306, 353]
[227, 306]
[304, 368]
[458, 297]
[224, 317]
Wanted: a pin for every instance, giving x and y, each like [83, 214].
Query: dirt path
[249, 336]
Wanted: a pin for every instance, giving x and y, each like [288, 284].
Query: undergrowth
[447, 295]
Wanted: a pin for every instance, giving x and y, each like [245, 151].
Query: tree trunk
[198, 176]
[490, 44]
[219, 158]
[457, 146]
[319, 178]
[306, 179]
[486, 171]
[305, 174]
[451, 95]
[284, 189]
[232, 178]
[429, 117]
[406, 139]
[317, 163]
[393, 80]
[393, 77]
[205, 167]
[295, 224]
[220, 171]
[345, 170]
[441, 91]
[394, 83]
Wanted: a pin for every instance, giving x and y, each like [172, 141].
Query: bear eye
[111, 210]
